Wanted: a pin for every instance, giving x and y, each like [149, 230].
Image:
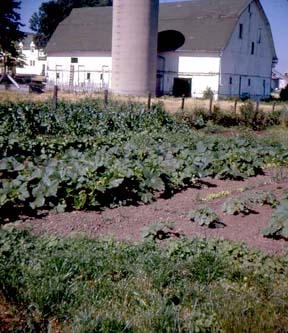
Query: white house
[35, 59]
[225, 45]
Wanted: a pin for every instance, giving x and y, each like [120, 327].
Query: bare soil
[128, 223]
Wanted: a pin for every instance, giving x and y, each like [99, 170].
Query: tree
[10, 34]
[51, 13]
[284, 94]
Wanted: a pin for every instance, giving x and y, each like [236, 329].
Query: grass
[193, 285]
[171, 104]
[189, 285]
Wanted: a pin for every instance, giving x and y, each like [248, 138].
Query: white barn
[226, 45]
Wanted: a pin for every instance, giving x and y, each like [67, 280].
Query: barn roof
[206, 24]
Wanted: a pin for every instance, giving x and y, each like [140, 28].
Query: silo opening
[170, 40]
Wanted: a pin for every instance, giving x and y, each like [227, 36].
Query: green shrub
[246, 203]
[284, 94]
[208, 93]
[205, 216]
[278, 224]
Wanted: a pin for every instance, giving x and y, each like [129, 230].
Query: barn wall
[80, 70]
[244, 73]
[202, 70]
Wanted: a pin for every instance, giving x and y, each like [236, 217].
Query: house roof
[207, 26]
[26, 41]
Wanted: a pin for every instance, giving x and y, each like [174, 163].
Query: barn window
[259, 35]
[88, 76]
[252, 48]
[57, 75]
[249, 9]
[249, 82]
[230, 80]
[240, 31]
[74, 60]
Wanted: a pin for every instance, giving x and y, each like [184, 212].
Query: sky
[276, 11]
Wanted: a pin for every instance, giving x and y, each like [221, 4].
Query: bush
[208, 93]
[284, 94]
[253, 118]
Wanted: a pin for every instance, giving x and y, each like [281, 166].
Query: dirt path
[128, 223]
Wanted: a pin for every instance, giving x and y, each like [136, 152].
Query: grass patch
[186, 285]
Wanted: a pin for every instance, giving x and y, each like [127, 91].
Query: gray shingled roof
[206, 24]
[27, 40]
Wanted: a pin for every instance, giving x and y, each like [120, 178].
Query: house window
[88, 76]
[57, 75]
[252, 48]
[230, 80]
[32, 62]
[74, 60]
[249, 82]
[240, 31]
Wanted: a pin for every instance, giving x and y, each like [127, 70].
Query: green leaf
[38, 203]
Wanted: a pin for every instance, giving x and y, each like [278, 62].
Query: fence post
[257, 106]
[273, 106]
[235, 106]
[183, 102]
[149, 102]
[55, 97]
[105, 96]
[211, 104]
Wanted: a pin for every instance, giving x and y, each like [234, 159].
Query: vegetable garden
[91, 156]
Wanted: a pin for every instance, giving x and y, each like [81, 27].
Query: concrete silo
[134, 46]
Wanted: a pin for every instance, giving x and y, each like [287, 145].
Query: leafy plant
[205, 216]
[208, 93]
[284, 93]
[278, 224]
[88, 155]
[161, 231]
[246, 203]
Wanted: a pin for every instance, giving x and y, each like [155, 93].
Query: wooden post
[273, 106]
[235, 106]
[257, 106]
[211, 104]
[105, 96]
[183, 102]
[149, 102]
[55, 97]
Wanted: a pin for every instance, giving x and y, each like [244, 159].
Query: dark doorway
[160, 85]
[182, 87]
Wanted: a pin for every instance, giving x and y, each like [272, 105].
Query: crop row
[141, 155]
